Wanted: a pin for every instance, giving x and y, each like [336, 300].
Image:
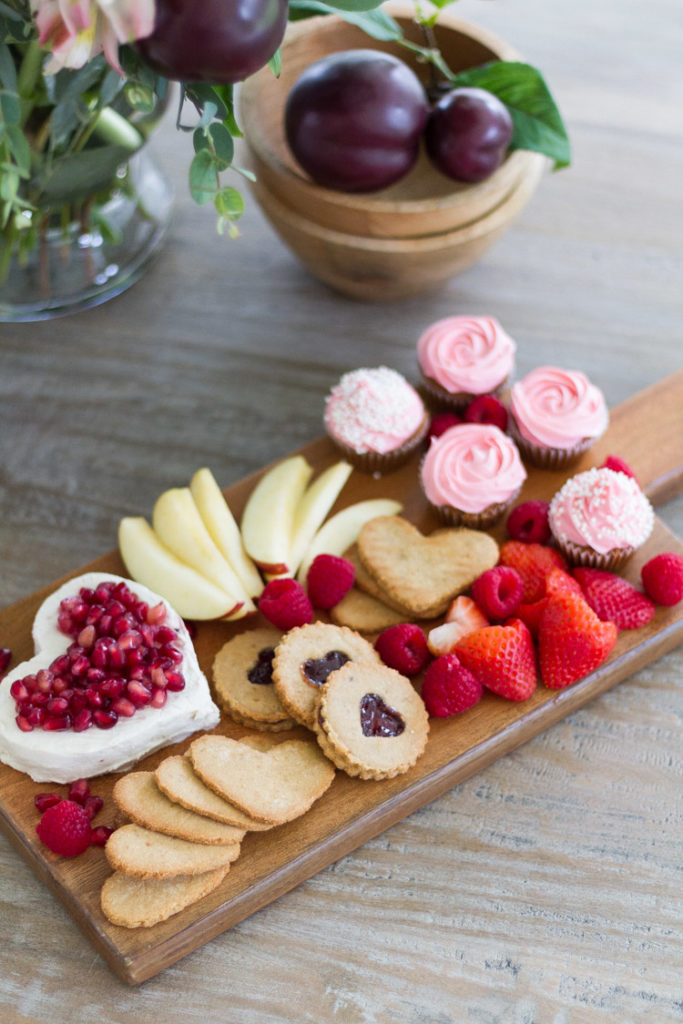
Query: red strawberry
[403, 647]
[328, 580]
[614, 599]
[530, 614]
[449, 688]
[533, 562]
[462, 617]
[572, 640]
[560, 582]
[502, 658]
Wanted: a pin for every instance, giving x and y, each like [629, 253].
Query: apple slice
[149, 562]
[316, 502]
[224, 531]
[338, 534]
[269, 515]
[178, 524]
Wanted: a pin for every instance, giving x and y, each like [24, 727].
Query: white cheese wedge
[67, 755]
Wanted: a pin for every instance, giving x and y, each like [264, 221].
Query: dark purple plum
[218, 41]
[354, 120]
[468, 133]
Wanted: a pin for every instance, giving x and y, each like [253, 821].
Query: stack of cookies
[188, 818]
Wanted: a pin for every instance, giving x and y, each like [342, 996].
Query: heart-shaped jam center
[378, 719]
[261, 672]
[316, 670]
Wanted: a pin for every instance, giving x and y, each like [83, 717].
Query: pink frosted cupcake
[375, 418]
[599, 518]
[462, 357]
[472, 474]
[556, 415]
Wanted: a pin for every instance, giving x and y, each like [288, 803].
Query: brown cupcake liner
[547, 458]
[384, 462]
[583, 555]
[456, 401]
[488, 516]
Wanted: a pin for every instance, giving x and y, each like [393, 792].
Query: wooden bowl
[425, 202]
[389, 269]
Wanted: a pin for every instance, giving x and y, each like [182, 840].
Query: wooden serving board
[643, 431]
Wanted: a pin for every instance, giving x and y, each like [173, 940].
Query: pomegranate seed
[23, 723]
[57, 706]
[87, 593]
[39, 700]
[60, 665]
[86, 637]
[79, 791]
[136, 656]
[80, 665]
[44, 800]
[172, 653]
[138, 693]
[175, 681]
[31, 683]
[36, 716]
[130, 639]
[100, 653]
[60, 685]
[93, 805]
[57, 724]
[157, 614]
[95, 613]
[105, 719]
[5, 658]
[99, 835]
[158, 697]
[117, 657]
[121, 625]
[123, 707]
[44, 680]
[94, 697]
[112, 688]
[165, 635]
[140, 611]
[78, 700]
[95, 675]
[65, 623]
[83, 720]
[158, 677]
[104, 625]
[19, 690]
[102, 593]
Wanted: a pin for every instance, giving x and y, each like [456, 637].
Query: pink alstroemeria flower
[74, 31]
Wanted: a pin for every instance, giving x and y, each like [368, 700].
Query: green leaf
[10, 107]
[538, 125]
[229, 203]
[20, 149]
[140, 97]
[275, 62]
[353, 5]
[77, 174]
[203, 177]
[375, 23]
[8, 73]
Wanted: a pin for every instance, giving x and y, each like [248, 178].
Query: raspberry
[442, 422]
[502, 658]
[529, 522]
[614, 599]
[487, 409]
[533, 562]
[618, 464]
[284, 602]
[404, 648]
[328, 579]
[662, 578]
[498, 592]
[449, 688]
[65, 828]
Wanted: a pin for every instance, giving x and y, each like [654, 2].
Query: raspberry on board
[65, 828]
[528, 521]
[403, 647]
[619, 465]
[662, 578]
[449, 688]
[498, 592]
[442, 422]
[328, 580]
[487, 409]
[284, 602]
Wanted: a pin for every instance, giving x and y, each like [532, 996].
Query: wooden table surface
[546, 889]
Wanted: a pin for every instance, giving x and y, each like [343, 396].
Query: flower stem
[114, 128]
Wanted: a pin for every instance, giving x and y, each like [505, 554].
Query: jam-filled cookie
[243, 678]
[305, 659]
[370, 721]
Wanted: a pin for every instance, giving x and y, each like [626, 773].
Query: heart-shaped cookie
[423, 574]
[271, 786]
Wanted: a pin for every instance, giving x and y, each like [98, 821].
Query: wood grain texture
[546, 887]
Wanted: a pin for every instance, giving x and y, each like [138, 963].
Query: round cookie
[242, 675]
[307, 656]
[370, 721]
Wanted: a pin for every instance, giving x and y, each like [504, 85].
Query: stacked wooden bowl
[406, 239]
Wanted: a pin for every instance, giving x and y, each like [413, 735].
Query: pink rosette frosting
[472, 354]
[603, 510]
[472, 466]
[373, 410]
[558, 408]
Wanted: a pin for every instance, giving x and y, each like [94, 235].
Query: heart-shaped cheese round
[67, 755]
[419, 574]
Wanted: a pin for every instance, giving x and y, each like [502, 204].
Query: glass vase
[93, 254]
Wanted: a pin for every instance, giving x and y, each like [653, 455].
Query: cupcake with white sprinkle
[599, 518]
[375, 418]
